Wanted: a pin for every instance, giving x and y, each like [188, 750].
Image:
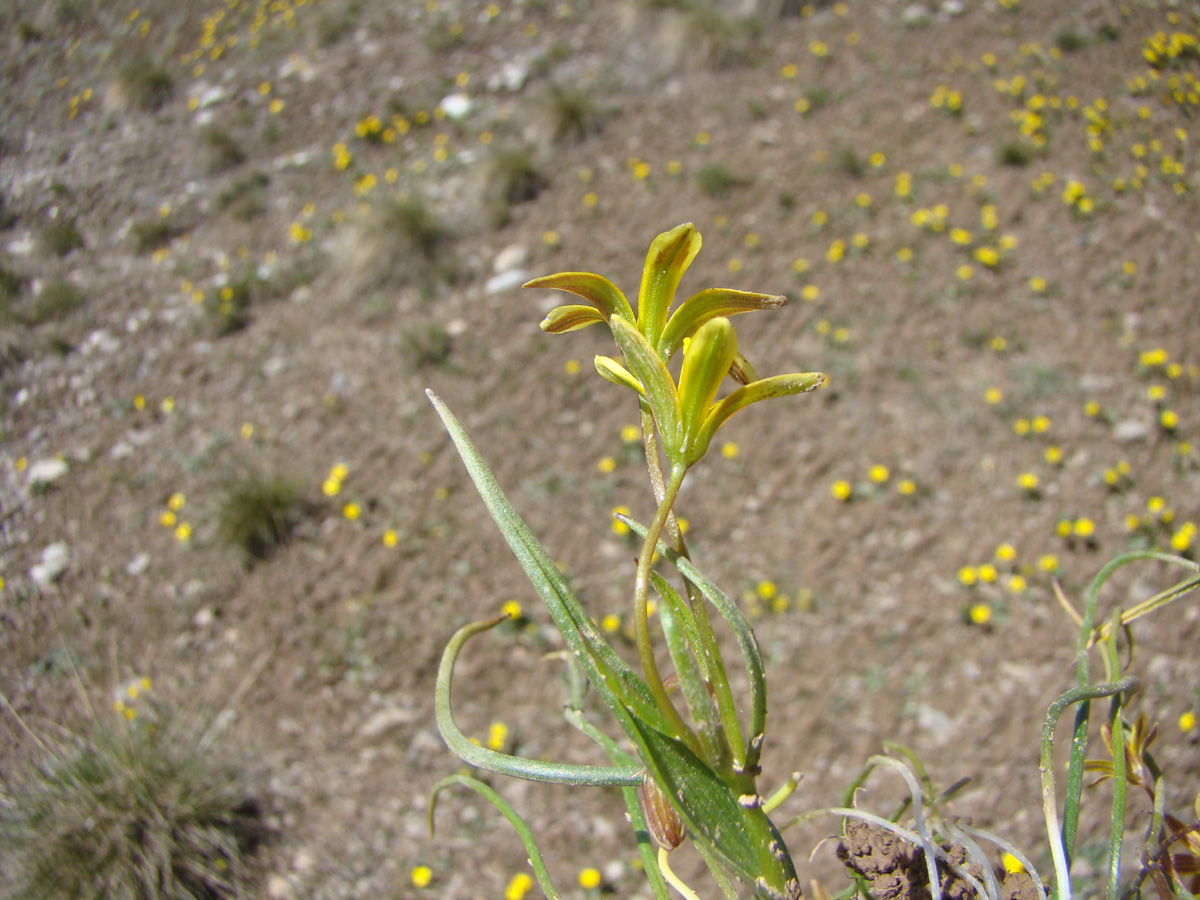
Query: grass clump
[228, 309]
[411, 221]
[256, 515]
[427, 346]
[60, 237]
[573, 115]
[246, 198]
[1015, 153]
[1070, 41]
[715, 180]
[10, 286]
[224, 153]
[513, 178]
[129, 811]
[154, 233]
[726, 42]
[57, 300]
[145, 85]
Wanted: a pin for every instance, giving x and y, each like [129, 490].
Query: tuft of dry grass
[129, 811]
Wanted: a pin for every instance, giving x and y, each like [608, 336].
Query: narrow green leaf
[681, 614]
[732, 826]
[531, 848]
[659, 387]
[606, 671]
[669, 256]
[596, 289]
[706, 305]
[503, 763]
[562, 319]
[679, 628]
[747, 643]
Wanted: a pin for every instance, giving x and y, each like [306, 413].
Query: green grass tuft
[256, 515]
[57, 300]
[1015, 153]
[145, 85]
[60, 237]
[224, 153]
[414, 223]
[427, 346]
[715, 180]
[573, 115]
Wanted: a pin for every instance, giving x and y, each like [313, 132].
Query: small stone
[506, 281]
[45, 472]
[55, 559]
[1130, 430]
[456, 106]
[278, 887]
[204, 617]
[385, 720]
[914, 14]
[514, 256]
[138, 565]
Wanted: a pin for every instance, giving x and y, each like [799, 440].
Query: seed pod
[662, 819]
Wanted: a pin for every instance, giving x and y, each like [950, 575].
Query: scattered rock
[514, 256]
[138, 565]
[506, 281]
[385, 720]
[456, 106]
[55, 560]
[278, 887]
[1130, 430]
[45, 472]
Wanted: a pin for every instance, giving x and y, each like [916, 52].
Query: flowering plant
[692, 771]
[691, 768]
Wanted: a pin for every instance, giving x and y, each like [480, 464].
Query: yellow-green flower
[687, 414]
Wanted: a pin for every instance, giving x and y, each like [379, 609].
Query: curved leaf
[596, 289]
[709, 304]
[503, 763]
[562, 319]
[611, 370]
[514, 818]
[763, 389]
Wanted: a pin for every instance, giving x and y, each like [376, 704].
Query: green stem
[1120, 767]
[514, 818]
[708, 638]
[1060, 842]
[641, 616]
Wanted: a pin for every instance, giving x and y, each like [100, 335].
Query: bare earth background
[320, 661]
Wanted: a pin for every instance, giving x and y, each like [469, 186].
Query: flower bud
[661, 818]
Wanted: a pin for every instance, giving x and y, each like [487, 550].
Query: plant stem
[641, 616]
[708, 639]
